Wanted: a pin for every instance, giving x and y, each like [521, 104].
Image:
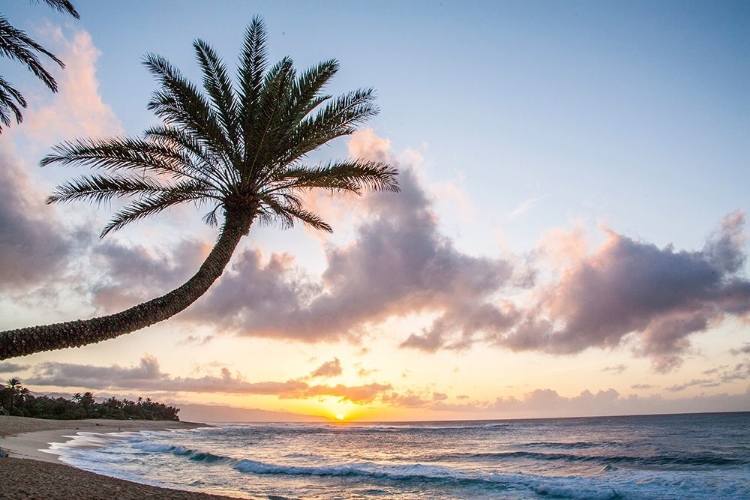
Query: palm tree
[14, 386]
[240, 152]
[17, 45]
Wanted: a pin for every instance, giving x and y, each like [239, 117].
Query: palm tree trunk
[34, 339]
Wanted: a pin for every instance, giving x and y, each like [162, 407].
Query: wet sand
[34, 472]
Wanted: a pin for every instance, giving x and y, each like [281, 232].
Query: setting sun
[339, 416]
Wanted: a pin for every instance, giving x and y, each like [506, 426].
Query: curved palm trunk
[25, 341]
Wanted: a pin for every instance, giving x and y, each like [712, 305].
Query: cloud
[32, 243]
[618, 369]
[147, 376]
[78, 108]
[526, 206]
[359, 394]
[741, 371]
[412, 399]
[714, 371]
[745, 349]
[548, 403]
[194, 339]
[662, 296]
[408, 400]
[9, 367]
[693, 383]
[398, 263]
[132, 274]
[35, 243]
[328, 369]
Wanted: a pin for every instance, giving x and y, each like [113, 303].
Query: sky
[570, 237]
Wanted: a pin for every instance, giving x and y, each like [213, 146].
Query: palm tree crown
[235, 150]
[240, 152]
[16, 44]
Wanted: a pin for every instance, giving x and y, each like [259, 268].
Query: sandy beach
[33, 472]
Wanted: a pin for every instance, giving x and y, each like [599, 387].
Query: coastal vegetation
[17, 400]
[240, 151]
[16, 44]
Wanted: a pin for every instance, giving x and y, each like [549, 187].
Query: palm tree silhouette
[16, 44]
[239, 152]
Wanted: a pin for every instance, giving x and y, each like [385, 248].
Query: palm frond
[273, 98]
[304, 94]
[199, 160]
[210, 218]
[251, 71]
[343, 114]
[64, 6]
[339, 117]
[348, 175]
[303, 97]
[179, 103]
[102, 188]
[16, 44]
[10, 100]
[217, 83]
[152, 204]
[284, 212]
[125, 154]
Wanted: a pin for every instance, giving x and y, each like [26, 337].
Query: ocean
[700, 456]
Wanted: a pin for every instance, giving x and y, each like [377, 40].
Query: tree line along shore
[16, 400]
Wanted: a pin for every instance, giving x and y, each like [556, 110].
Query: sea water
[701, 456]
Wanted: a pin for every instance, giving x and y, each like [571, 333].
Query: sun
[339, 416]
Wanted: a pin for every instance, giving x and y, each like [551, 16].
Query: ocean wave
[180, 451]
[564, 488]
[577, 445]
[699, 459]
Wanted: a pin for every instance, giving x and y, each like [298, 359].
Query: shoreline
[33, 470]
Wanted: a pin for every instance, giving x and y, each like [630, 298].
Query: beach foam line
[41, 439]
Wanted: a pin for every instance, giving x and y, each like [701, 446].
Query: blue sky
[550, 138]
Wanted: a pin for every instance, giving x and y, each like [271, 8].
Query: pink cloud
[398, 262]
[660, 297]
[77, 110]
